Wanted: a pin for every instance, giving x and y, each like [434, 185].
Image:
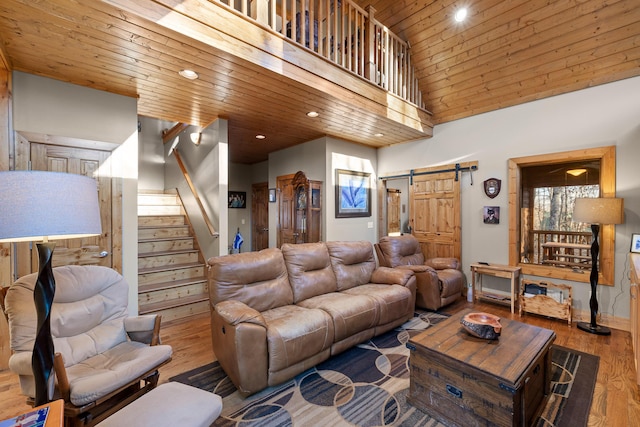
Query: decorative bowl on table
[482, 325]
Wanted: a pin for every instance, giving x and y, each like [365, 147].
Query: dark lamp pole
[597, 211]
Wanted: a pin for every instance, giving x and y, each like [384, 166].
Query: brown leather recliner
[439, 281]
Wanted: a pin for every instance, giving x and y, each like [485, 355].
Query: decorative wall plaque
[492, 187]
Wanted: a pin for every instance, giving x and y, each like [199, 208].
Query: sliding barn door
[435, 213]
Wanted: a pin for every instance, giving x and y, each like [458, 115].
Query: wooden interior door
[260, 216]
[435, 213]
[88, 162]
[393, 210]
[286, 210]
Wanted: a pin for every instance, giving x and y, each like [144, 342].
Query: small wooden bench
[169, 405]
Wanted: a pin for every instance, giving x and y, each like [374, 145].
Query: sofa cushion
[401, 250]
[350, 313]
[258, 279]
[309, 269]
[394, 301]
[295, 333]
[352, 262]
[451, 282]
[99, 375]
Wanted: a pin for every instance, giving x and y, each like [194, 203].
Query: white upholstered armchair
[104, 358]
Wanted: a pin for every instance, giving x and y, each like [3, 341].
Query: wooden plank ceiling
[505, 54]
[510, 52]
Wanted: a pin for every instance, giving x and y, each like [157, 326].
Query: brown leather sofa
[276, 313]
[439, 281]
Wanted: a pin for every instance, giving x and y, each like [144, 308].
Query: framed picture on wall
[272, 195]
[353, 194]
[635, 243]
[237, 199]
[491, 215]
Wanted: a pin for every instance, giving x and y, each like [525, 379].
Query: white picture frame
[635, 243]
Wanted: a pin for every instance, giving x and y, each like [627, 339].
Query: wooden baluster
[273, 22]
[312, 26]
[283, 16]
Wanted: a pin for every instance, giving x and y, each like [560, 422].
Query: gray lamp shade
[45, 206]
[599, 211]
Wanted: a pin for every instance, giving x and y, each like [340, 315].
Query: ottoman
[169, 405]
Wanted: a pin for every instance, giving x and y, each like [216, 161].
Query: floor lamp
[43, 206]
[597, 211]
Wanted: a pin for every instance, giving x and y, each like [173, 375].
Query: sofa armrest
[391, 276]
[443, 263]
[422, 268]
[144, 329]
[239, 337]
[236, 312]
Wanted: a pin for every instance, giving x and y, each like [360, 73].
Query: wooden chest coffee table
[465, 381]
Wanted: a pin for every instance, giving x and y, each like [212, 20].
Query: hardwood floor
[616, 400]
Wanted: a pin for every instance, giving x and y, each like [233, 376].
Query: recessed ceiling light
[260, 137]
[378, 134]
[313, 114]
[461, 14]
[188, 74]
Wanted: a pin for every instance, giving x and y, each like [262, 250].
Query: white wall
[52, 107]
[207, 165]
[151, 153]
[599, 116]
[240, 179]
[354, 157]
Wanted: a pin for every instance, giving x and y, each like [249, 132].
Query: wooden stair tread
[140, 227]
[172, 252]
[177, 290]
[164, 239]
[150, 308]
[171, 284]
[169, 267]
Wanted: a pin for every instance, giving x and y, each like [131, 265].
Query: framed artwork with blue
[353, 194]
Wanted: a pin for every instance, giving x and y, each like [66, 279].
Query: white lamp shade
[40, 205]
[599, 211]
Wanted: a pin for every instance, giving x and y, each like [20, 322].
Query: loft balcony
[343, 33]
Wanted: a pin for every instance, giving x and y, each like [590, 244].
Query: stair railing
[187, 178]
[343, 33]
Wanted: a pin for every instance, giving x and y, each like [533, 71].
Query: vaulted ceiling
[504, 54]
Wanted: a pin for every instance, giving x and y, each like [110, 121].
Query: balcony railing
[568, 249]
[345, 34]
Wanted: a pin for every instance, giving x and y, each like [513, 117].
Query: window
[543, 240]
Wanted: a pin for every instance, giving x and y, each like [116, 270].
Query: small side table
[55, 418]
[495, 270]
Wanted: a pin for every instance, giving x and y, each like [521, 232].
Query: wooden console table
[495, 270]
[55, 417]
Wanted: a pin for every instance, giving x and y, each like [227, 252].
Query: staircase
[171, 270]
